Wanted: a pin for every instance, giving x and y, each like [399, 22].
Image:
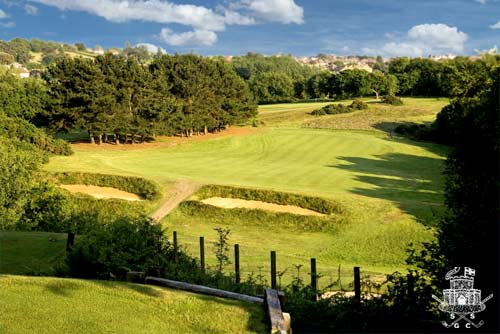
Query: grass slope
[53, 305]
[28, 253]
[392, 187]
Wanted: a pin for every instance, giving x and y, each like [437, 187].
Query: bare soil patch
[101, 192]
[231, 203]
[165, 141]
[179, 192]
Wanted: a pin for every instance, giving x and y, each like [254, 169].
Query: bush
[110, 251]
[24, 131]
[332, 109]
[392, 100]
[358, 105]
[136, 185]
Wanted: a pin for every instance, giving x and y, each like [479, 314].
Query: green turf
[392, 187]
[53, 305]
[31, 253]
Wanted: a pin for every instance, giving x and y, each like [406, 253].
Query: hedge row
[334, 109]
[307, 202]
[257, 217]
[136, 185]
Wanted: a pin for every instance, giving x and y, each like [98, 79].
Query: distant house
[99, 51]
[23, 72]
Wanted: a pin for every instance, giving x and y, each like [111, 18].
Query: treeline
[116, 97]
[282, 79]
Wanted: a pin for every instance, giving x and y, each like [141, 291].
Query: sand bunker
[231, 203]
[101, 192]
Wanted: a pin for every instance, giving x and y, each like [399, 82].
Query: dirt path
[178, 193]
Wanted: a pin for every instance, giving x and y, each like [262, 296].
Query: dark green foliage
[146, 189]
[263, 218]
[22, 130]
[109, 251]
[332, 109]
[47, 209]
[21, 97]
[118, 97]
[358, 105]
[392, 100]
[19, 166]
[307, 202]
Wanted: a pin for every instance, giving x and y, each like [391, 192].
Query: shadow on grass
[414, 183]
[391, 126]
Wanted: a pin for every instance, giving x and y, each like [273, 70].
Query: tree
[80, 47]
[19, 165]
[272, 87]
[6, 59]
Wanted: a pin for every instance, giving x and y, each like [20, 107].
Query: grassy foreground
[31, 253]
[54, 305]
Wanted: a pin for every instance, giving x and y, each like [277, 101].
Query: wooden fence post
[237, 263]
[176, 250]
[202, 254]
[70, 242]
[314, 279]
[357, 284]
[273, 270]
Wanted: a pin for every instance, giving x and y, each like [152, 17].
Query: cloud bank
[425, 39]
[204, 22]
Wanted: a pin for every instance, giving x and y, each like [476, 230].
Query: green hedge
[307, 202]
[257, 217]
[392, 100]
[136, 185]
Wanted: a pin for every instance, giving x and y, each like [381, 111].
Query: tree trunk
[205, 129]
[100, 138]
[117, 139]
[105, 137]
[91, 137]
[376, 93]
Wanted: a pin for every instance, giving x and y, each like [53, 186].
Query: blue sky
[231, 27]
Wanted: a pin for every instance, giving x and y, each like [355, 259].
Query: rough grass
[382, 117]
[53, 305]
[31, 253]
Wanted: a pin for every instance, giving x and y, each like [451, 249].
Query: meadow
[391, 187]
[85, 306]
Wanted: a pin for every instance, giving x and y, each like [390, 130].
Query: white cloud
[151, 47]
[30, 10]
[189, 38]
[439, 36]
[495, 26]
[425, 39]
[204, 22]
[150, 10]
[482, 2]
[3, 14]
[284, 11]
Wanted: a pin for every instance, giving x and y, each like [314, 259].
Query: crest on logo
[461, 299]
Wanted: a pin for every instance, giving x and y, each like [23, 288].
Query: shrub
[146, 189]
[24, 131]
[332, 109]
[109, 251]
[358, 105]
[392, 100]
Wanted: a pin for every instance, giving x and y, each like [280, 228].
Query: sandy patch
[231, 203]
[101, 192]
[178, 193]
